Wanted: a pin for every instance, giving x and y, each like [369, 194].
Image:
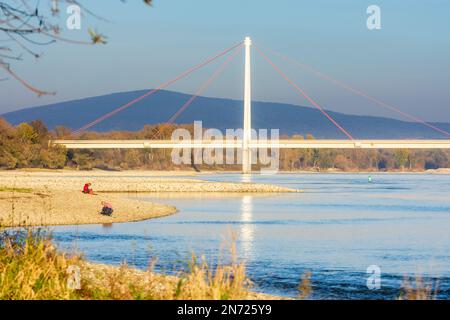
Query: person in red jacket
[87, 188]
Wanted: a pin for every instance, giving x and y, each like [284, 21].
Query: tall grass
[32, 268]
[416, 288]
[222, 282]
[305, 288]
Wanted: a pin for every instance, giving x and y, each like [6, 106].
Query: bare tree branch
[27, 26]
[6, 67]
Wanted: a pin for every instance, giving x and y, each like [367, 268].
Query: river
[341, 225]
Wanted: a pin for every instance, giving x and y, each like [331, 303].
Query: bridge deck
[282, 144]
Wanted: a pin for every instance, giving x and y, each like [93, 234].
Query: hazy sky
[406, 63]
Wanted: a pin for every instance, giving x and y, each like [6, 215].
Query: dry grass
[305, 288]
[224, 282]
[417, 288]
[18, 190]
[32, 268]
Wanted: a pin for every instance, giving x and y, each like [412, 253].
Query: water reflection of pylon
[247, 229]
[246, 178]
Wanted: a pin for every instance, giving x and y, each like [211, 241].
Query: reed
[305, 288]
[417, 288]
[31, 267]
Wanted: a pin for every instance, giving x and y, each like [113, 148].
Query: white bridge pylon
[247, 130]
[247, 144]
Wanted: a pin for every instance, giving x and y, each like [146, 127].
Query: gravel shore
[126, 182]
[42, 198]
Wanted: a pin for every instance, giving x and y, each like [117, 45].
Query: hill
[217, 113]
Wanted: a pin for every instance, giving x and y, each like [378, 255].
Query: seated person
[87, 189]
[107, 209]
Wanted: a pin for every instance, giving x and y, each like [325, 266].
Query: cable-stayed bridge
[245, 143]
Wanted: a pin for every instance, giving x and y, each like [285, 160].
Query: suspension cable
[149, 93]
[201, 89]
[356, 91]
[303, 93]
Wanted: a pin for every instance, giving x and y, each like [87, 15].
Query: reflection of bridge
[245, 143]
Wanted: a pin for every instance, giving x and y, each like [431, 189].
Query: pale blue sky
[407, 63]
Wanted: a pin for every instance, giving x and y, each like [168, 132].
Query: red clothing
[86, 188]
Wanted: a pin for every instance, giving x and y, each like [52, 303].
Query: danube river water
[340, 226]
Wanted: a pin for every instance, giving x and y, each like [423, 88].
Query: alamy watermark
[73, 15]
[226, 148]
[74, 277]
[374, 20]
[374, 278]
[73, 21]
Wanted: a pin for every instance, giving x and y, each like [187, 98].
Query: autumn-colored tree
[133, 158]
[7, 160]
[26, 145]
[26, 133]
[341, 162]
[83, 160]
[401, 158]
[54, 157]
[62, 132]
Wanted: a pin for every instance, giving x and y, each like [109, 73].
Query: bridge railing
[237, 144]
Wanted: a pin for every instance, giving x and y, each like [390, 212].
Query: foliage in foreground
[418, 289]
[32, 268]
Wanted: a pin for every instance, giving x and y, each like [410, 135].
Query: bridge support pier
[247, 130]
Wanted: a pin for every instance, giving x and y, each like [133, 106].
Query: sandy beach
[44, 198]
[23, 207]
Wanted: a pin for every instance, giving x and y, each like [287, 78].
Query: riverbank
[21, 206]
[43, 198]
[124, 182]
[162, 287]
[32, 268]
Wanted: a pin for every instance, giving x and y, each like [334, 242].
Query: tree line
[27, 146]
